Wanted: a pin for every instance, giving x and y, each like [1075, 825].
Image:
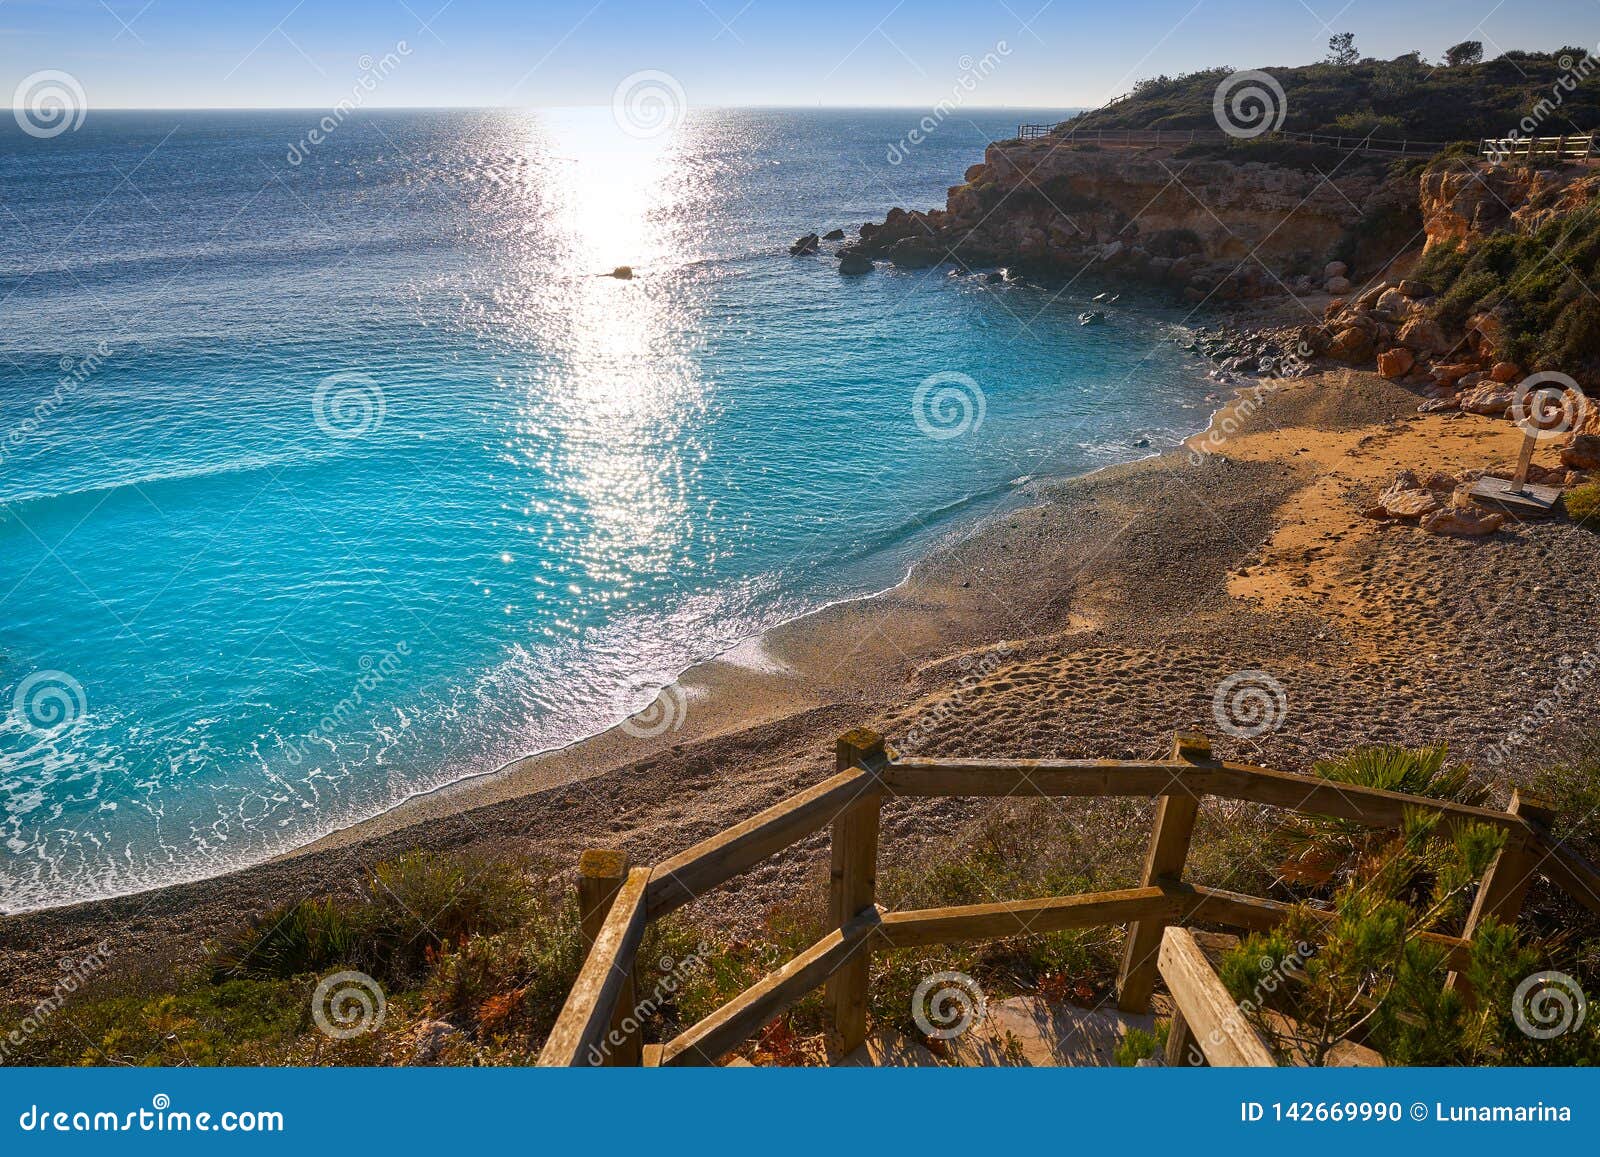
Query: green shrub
[291, 940]
[1139, 1045]
[1318, 850]
[1582, 503]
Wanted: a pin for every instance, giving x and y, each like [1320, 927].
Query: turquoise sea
[327, 481]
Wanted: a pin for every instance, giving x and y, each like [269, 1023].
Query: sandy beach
[1094, 619]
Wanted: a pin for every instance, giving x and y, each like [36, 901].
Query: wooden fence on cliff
[598, 1024]
[1176, 137]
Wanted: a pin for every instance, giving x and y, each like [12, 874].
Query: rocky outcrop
[1463, 202]
[1214, 227]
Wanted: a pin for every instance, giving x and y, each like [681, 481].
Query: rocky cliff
[1467, 203]
[1215, 227]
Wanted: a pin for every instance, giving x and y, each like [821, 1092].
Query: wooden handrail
[1206, 1012]
[1369, 806]
[1153, 912]
[732, 1024]
[969, 922]
[676, 881]
[1354, 143]
[580, 1030]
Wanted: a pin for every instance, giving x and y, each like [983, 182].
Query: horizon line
[542, 107]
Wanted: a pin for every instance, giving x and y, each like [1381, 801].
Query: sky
[1014, 53]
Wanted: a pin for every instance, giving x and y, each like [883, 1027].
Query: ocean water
[327, 480]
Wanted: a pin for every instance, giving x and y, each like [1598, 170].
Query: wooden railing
[1497, 150]
[1352, 143]
[600, 1025]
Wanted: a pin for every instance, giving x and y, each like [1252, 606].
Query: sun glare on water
[624, 383]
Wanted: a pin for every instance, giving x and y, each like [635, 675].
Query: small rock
[1394, 303]
[432, 1036]
[1352, 344]
[1449, 375]
[1505, 372]
[1396, 363]
[1414, 289]
[1336, 285]
[623, 273]
[1488, 398]
[804, 245]
[1582, 452]
[1466, 523]
[1334, 269]
[833, 235]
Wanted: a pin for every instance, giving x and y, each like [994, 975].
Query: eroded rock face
[1046, 203]
[1459, 202]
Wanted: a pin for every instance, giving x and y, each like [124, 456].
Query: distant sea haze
[328, 483]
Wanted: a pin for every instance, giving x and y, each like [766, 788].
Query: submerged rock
[833, 235]
[804, 245]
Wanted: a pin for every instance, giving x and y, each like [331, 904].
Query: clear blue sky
[276, 53]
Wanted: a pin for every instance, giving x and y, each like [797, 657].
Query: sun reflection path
[614, 414]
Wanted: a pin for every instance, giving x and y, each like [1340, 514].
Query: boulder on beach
[1462, 522]
[1423, 335]
[623, 273]
[1582, 452]
[1396, 363]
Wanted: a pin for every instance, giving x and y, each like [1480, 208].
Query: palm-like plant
[1319, 850]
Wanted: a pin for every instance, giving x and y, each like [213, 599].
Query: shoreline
[716, 675]
[1091, 618]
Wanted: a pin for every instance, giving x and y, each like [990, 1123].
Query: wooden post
[1181, 1049]
[852, 888]
[1519, 477]
[1163, 864]
[600, 874]
[1506, 882]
